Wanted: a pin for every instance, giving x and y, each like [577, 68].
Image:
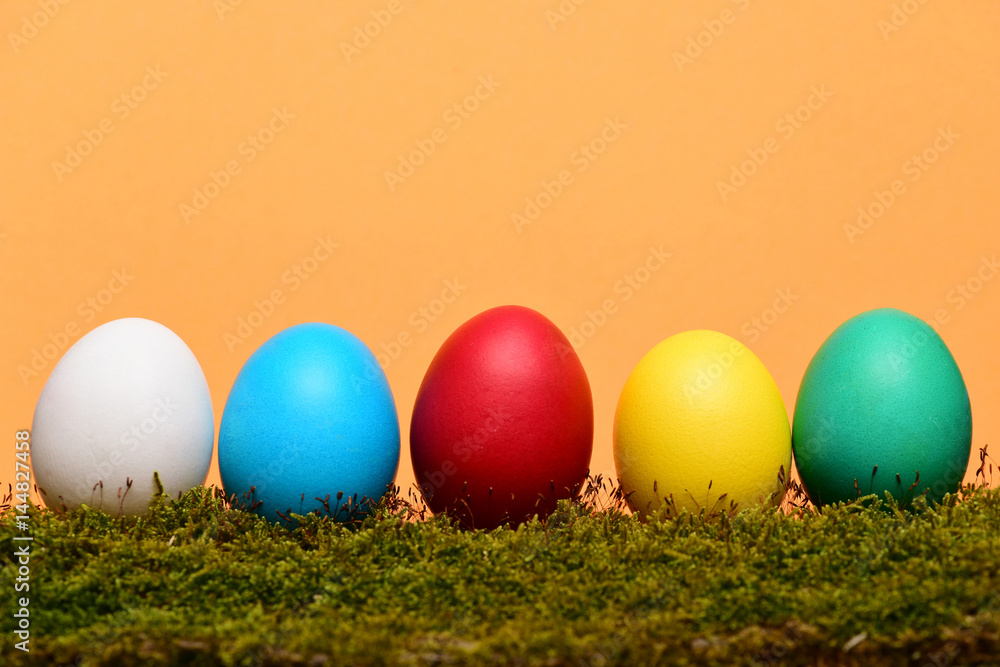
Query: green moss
[201, 581]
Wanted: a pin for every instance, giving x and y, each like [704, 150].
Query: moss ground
[200, 581]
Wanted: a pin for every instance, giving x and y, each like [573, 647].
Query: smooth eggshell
[700, 420]
[310, 415]
[883, 390]
[126, 400]
[503, 423]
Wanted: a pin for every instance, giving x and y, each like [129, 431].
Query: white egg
[127, 400]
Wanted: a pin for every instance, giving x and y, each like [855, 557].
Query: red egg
[503, 424]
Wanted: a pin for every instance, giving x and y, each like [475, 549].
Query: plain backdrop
[184, 162]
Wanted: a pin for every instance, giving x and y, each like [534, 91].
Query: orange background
[888, 89]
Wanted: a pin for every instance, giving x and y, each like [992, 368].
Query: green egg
[883, 390]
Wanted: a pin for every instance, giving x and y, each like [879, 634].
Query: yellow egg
[701, 421]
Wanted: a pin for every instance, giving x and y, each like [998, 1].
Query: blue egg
[310, 418]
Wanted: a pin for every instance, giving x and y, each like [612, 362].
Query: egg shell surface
[126, 400]
[503, 423]
[310, 415]
[700, 420]
[883, 390]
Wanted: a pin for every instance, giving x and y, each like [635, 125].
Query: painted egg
[126, 401]
[701, 424]
[503, 424]
[310, 425]
[881, 402]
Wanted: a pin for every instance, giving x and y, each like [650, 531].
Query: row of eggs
[502, 427]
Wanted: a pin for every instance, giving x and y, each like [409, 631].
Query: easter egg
[700, 424]
[126, 401]
[881, 402]
[309, 425]
[503, 423]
